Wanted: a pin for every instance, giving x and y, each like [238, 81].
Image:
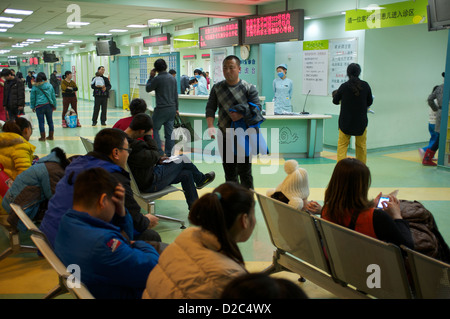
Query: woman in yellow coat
[16, 153]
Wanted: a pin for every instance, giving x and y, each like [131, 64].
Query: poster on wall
[342, 52]
[217, 58]
[315, 67]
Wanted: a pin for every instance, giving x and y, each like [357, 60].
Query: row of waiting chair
[78, 291]
[347, 263]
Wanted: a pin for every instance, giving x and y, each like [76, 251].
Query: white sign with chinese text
[342, 52]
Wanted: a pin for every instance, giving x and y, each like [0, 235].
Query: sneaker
[104, 124]
[209, 177]
[94, 123]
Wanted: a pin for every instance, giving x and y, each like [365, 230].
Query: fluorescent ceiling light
[307, 18]
[8, 19]
[372, 7]
[159, 20]
[117, 30]
[137, 26]
[59, 45]
[75, 41]
[6, 25]
[53, 32]
[34, 40]
[16, 11]
[103, 34]
[66, 43]
[51, 47]
[17, 46]
[78, 23]
[3, 30]
[12, 57]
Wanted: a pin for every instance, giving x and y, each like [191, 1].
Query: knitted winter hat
[295, 186]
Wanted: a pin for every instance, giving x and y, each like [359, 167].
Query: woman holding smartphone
[346, 203]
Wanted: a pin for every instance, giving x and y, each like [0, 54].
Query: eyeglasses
[125, 149]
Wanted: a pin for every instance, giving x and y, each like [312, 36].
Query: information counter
[294, 136]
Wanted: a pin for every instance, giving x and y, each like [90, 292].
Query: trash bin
[112, 98]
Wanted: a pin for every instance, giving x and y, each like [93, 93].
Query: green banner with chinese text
[389, 15]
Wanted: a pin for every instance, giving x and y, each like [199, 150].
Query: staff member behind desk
[355, 96]
[202, 87]
[282, 88]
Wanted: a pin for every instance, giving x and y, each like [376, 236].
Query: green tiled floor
[390, 170]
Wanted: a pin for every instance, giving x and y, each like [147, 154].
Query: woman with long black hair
[355, 96]
[204, 259]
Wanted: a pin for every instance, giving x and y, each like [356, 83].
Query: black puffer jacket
[143, 158]
[14, 94]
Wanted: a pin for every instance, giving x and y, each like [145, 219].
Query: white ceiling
[104, 15]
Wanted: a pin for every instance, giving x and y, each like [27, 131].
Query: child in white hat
[294, 190]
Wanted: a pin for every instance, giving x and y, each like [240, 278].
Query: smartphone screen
[382, 199]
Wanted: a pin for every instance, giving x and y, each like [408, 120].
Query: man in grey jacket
[165, 87]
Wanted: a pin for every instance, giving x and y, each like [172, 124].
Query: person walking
[55, 82]
[43, 102]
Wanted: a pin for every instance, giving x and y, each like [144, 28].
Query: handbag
[182, 128]
[49, 102]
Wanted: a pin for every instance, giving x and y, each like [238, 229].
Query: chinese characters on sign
[219, 35]
[156, 40]
[245, 66]
[342, 53]
[390, 15]
[315, 67]
[275, 27]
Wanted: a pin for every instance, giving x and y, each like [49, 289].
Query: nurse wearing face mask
[202, 87]
[282, 87]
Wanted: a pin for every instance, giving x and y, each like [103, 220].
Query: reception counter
[294, 136]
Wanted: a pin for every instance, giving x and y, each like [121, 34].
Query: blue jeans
[164, 116]
[183, 172]
[47, 112]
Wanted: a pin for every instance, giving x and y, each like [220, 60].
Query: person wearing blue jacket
[33, 188]
[111, 153]
[110, 265]
[43, 102]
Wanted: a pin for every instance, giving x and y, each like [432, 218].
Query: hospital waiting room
[216, 154]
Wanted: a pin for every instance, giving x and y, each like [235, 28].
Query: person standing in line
[438, 95]
[13, 94]
[355, 96]
[166, 94]
[224, 96]
[282, 88]
[43, 102]
[55, 82]
[101, 94]
[69, 97]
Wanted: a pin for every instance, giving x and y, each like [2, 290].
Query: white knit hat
[295, 186]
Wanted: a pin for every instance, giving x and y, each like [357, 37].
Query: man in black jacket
[13, 94]
[152, 172]
[100, 98]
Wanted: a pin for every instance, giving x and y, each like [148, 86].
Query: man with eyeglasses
[111, 152]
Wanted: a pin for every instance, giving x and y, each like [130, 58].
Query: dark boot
[428, 158]
[42, 138]
[50, 136]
